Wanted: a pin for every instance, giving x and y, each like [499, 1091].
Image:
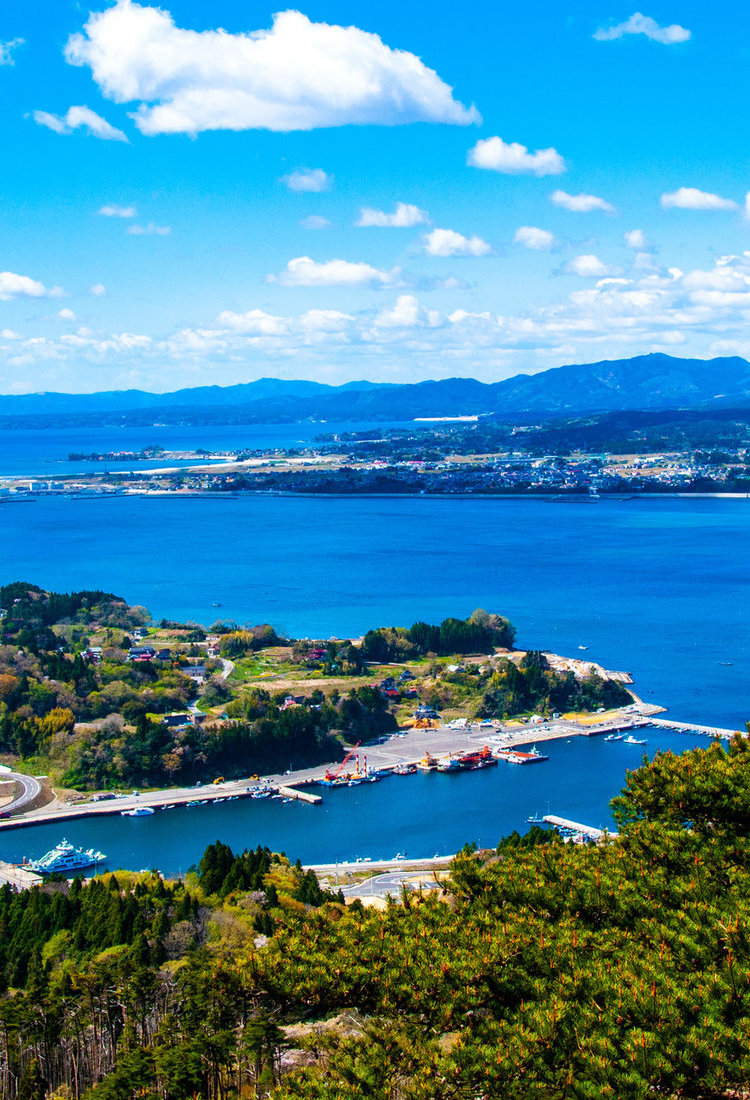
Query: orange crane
[336, 773]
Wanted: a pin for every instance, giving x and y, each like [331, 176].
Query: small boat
[614, 737]
[405, 769]
[449, 764]
[630, 740]
[137, 811]
[517, 756]
[535, 819]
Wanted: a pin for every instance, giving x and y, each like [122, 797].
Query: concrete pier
[19, 877]
[576, 827]
[691, 727]
[303, 796]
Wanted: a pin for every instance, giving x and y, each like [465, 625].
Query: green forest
[540, 969]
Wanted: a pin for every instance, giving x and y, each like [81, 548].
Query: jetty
[691, 727]
[577, 827]
[19, 877]
[303, 796]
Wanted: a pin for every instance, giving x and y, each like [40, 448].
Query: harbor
[418, 815]
[448, 747]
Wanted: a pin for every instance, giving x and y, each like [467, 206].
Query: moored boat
[137, 811]
[517, 756]
[65, 857]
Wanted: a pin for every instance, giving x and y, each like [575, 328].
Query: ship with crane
[343, 775]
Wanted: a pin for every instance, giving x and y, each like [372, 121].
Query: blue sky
[199, 194]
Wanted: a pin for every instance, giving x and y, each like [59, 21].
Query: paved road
[31, 788]
[389, 883]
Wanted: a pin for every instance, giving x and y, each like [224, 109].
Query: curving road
[31, 788]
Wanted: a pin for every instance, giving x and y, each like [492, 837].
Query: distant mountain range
[645, 382]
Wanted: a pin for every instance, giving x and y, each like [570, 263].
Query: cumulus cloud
[320, 321]
[254, 323]
[66, 315]
[76, 118]
[298, 75]
[112, 210]
[644, 24]
[315, 221]
[21, 286]
[533, 237]
[6, 50]
[512, 158]
[404, 216]
[581, 204]
[303, 271]
[308, 179]
[149, 230]
[98, 290]
[690, 198]
[609, 316]
[635, 238]
[446, 242]
[407, 313]
[589, 267]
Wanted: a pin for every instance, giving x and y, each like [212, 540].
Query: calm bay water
[657, 587]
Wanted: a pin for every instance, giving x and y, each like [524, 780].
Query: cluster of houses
[398, 688]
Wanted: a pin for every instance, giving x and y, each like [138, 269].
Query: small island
[100, 699]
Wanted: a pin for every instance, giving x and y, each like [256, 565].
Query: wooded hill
[542, 971]
[94, 718]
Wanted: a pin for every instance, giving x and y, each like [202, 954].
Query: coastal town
[357, 470]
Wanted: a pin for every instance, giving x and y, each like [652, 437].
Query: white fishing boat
[137, 811]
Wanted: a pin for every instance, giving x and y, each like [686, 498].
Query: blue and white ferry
[65, 857]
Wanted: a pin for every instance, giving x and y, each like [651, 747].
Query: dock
[303, 796]
[691, 727]
[577, 827]
[19, 877]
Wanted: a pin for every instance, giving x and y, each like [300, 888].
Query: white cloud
[66, 315]
[533, 237]
[581, 204]
[513, 158]
[296, 76]
[690, 198]
[303, 271]
[79, 117]
[315, 221]
[446, 242]
[21, 286]
[635, 238]
[112, 210]
[10, 334]
[254, 323]
[407, 313]
[589, 267]
[149, 230]
[318, 322]
[308, 179]
[644, 24]
[405, 216]
[6, 50]
[98, 290]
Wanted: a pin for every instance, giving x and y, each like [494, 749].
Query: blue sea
[658, 587]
